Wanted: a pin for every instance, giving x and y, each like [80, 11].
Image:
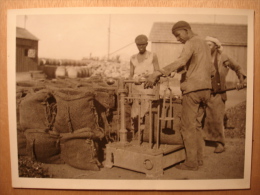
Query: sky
[75, 36]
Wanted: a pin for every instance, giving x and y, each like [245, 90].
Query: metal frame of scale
[149, 157]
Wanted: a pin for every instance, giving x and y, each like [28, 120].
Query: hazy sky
[76, 36]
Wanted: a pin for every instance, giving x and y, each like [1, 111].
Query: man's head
[182, 31]
[213, 43]
[141, 43]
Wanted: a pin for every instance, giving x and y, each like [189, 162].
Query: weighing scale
[149, 157]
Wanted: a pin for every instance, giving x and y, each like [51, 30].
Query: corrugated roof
[25, 34]
[226, 33]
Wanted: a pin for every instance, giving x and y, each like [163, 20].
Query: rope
[69, 120]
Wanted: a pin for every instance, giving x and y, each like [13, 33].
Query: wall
[23, 62]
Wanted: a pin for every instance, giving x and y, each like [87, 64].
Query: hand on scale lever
[154, 78]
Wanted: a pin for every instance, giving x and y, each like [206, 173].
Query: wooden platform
[141, 158]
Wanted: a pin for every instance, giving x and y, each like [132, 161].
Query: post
[150, 126]
[139, 121]
[122, 93]
[25, 20]
[108, 44]
[158, 126]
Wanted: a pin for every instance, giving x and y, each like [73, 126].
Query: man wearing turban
[215, 110]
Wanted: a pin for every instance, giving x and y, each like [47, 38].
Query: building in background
[232, 37]
[26, 50]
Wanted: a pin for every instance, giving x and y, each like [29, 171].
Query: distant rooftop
[228, 34]
[25, 34]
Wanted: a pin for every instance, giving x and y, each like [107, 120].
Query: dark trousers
[191, 128]
[214, 119]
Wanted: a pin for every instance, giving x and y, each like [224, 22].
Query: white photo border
[18, 182]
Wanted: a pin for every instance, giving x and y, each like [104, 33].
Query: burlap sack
[21, 143]
[79, 149]
[115, 119]
[33, 110]
[30, 86]
[75, 110]
[19, 96]
[105, 96]
[43, 147]
[169, 131]
[22, 89]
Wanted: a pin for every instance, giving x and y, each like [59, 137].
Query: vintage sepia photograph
[130, 98]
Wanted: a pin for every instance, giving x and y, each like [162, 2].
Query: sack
[106, 97]
[169, 131]
[30, 86]
[79, 149]
[65, 83]
[22, 89]
[115, 118]
[75, 110]
[105, 94]
[21, 143]
[19, 96]
[104, 103]
[33, 110]
[43, 147]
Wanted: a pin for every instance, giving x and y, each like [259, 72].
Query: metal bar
[230, 89]
[171, 114]
[118, 115]
[133, 81]
[158, 126]
[140, 81]
[132, 121]
[122, 131]
[150, 127]
[163, 106]
[139, 94]
[142, 98]
[139, 125]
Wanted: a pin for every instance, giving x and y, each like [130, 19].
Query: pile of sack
[63, 121]
[235, 121]
[70, 120]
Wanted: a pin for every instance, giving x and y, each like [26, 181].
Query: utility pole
[25, 18]
[108, 45]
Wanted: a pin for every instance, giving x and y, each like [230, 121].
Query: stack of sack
[60, 121]
[70, 121]
[23, 89]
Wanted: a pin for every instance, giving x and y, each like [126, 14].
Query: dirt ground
[226, 165]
